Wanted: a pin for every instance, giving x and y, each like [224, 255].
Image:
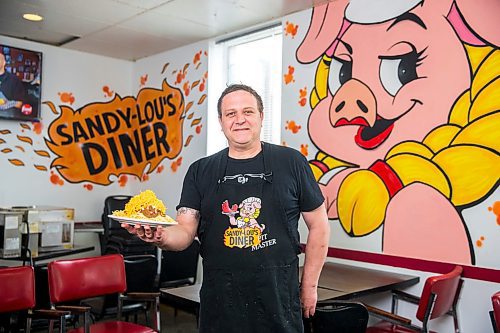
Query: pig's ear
[326, 22]
[482, 17]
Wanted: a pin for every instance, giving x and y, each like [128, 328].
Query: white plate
[129, 220]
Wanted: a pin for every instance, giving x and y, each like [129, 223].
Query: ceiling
[133, 29]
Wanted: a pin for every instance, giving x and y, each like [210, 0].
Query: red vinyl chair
[17, 290]
[77, 279]
[439, 297]
[495, 314]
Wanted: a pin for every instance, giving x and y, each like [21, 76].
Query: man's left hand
[308, 298]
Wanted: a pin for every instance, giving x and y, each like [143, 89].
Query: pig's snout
[353, 104]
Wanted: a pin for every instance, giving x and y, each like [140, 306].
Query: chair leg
[146, 315]
[28, 325]
[455, 319]
[51, 326]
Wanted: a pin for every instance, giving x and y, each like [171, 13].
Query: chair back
[439, 295]
[495, 299]
[112, 203]
[340, 317]
[17, 287]
[141, 272]
[115, 238]
[87, 277]
[180, 268]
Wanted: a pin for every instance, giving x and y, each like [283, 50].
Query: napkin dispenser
[10, 237]
[56, 226]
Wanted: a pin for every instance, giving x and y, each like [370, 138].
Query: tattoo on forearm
[191, 211]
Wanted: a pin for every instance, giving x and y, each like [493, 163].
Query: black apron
[250, 264]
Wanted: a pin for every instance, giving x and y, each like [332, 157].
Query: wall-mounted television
[20, 83]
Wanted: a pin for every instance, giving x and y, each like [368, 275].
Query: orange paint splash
[88, 187]
[292, 126]
[143, 80]
[66, 97]
[289, 76]
[187, 89]
[174, 166]
[55, 179]
[160, 169]
[107, 91]
[37, 127]
[480, 241]
[198, 129]
[201, 87]
[302, 96]
[304, 149]
[291, 29]
[180, 76]
[495, 208]
[122, 180]
[145, 177]
[197, 57]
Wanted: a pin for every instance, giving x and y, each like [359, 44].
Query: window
[255, 60]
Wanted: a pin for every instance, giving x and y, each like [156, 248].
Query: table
[186, 296]
[53, 254]
[337, 281]
[350, 281]
[89, 227]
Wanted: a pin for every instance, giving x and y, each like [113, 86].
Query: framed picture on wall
[20, 83]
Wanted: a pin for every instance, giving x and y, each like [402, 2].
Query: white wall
[168, 184]
[63, 70]
[84, 75]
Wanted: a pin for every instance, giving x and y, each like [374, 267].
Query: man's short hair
[235, 87]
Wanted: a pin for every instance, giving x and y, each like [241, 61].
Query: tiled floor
[183, 322]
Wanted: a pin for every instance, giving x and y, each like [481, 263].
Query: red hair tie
[388, 176]
[322, 166]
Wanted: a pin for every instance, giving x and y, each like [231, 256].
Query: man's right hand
[145, 233]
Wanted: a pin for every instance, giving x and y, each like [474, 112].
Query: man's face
[241, 120]
[2, 61]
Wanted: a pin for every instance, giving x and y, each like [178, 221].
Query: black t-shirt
[292, 178]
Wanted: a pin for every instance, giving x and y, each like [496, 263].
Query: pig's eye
[340, 72]
[396, 71]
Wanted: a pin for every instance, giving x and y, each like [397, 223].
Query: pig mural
[405, 115]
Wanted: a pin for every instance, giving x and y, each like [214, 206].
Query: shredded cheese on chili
[143, 201]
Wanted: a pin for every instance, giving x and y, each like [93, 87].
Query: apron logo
[246, 230]
[242, 179]
[242, 238]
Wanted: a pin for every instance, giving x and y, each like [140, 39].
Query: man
[12, 91]
[244, 204]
